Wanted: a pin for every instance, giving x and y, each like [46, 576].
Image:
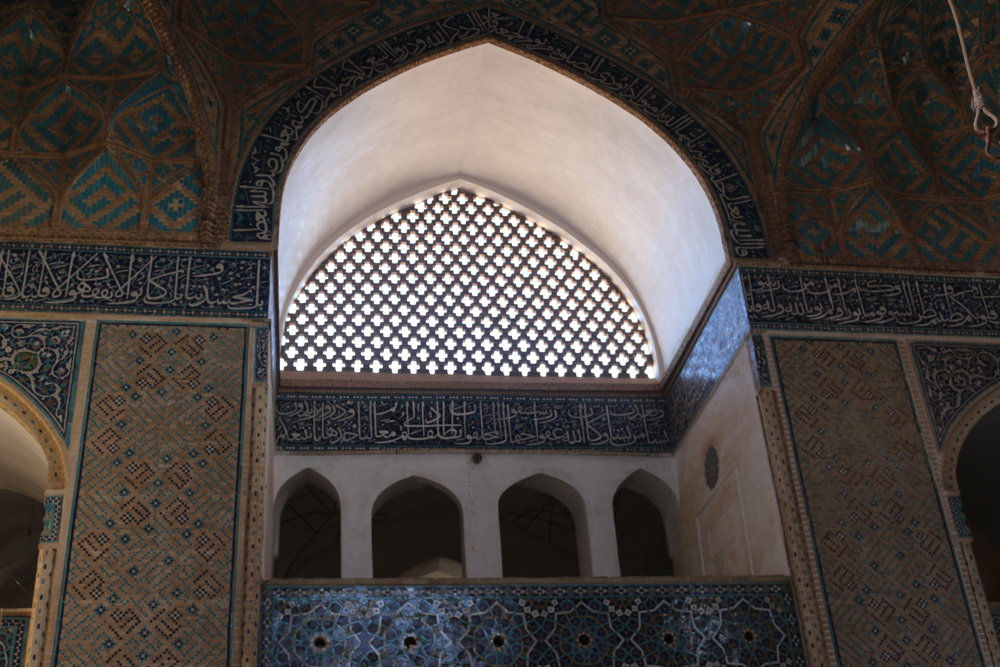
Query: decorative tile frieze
[260, 181]
[323, 422]
[718, 342]
[13, 635]
[52, 519]
[131, 280]
[758, 354]
[952, 376]
[856, 301]
[261, 353]
[532, 624]
[41, 358]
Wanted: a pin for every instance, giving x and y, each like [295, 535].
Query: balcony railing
[542, 622]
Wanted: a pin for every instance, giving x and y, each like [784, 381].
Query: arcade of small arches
[539, 526]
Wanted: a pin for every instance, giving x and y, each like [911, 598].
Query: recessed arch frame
[257, 197]
[24, 410]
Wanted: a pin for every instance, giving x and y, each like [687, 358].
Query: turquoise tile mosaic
[13, 637]
[529, 624]
[952, 377]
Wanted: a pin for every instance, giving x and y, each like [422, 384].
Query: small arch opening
[309, 537]
[416, 532]
[640, 528]
[538, 531]
[977, 470]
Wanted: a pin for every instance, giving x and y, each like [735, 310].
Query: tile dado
[263, 171]
[605, 624]
[197, 283]
[13, 636]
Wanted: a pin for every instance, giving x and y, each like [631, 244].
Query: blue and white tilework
[531, 624]
[13, 635]
[724, 333]
[128, 280]
[854, 301]
[952, 376]
[261, 353]
[260, 181]
[317, 422]
[958, 516]
[52, 519]
[41, 358]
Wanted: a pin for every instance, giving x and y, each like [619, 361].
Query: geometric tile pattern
[256, 192]
[62, 121]
[532, 624]
[41, 358]
[126, 280]
[352, 422]
[889, 576]
[958, 517]
[53, 519]
[23, 198]
[718, 342]
[114, 40]
[886, 139]
[178, 207]
[952, 376]
[150, 571]
[103, 195]
[871, 302]
[154, 120]
[262, 353]
[29, 54]
[13, 638]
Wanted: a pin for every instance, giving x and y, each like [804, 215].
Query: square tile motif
[152, 546]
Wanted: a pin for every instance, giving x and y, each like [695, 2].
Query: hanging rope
[978, 104]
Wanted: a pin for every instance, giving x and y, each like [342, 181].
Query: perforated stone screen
[460, 284]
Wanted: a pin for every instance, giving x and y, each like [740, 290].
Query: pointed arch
[15, 403]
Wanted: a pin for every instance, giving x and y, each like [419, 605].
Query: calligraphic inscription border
[261, 353]
[41, 357]
[116, 279]
[867, 302]
[939, 365]
[539, 624]
[339, 422]
[257, 191]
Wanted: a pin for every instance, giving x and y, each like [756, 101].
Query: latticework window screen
[460, 284]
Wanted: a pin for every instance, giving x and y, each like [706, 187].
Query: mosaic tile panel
[996, 622]
[52, 520]
[261, 353]
[958, 516]
[129, 280]
[952, 376]
[872, 302]
[758, 353]
[891, 583]
[317, 422]
[260, 179]
[532, 624]
[41, 358]
[13, 635]
[150, 571]
[718, 342]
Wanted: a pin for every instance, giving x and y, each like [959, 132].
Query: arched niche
[417, 531]
[307, 533]
[22, 423]
[543, 529]
[25, 475]
[529, 137]
[644, 509]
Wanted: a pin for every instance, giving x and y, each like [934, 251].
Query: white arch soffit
[545, 144]
[23, 466]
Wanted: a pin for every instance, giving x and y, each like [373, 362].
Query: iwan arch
[693, 411]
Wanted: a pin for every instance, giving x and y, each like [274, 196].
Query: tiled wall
[150, 573]
[747, 623]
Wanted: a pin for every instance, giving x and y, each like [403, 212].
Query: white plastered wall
[360, 478]
[532, 137]
[735, 528]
